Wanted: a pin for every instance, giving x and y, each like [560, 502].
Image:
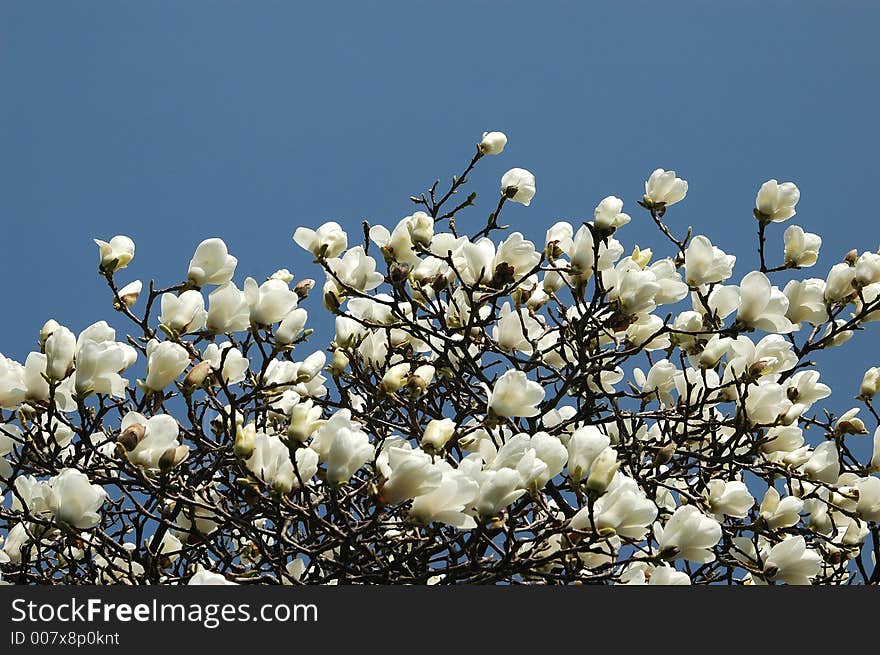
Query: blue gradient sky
[173, 121]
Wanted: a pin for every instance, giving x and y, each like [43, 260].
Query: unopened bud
[303, 287]
[46, 331]
[870, 383]
[131, 436]
[197, 375]
[245, 441]
[172, 457]
[339, 362]
[664, 454]
[851, 257]
[602, 471]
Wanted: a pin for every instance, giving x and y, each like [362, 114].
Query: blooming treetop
[488, 410]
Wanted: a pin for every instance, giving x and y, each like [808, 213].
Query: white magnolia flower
[518, 185]
[517, 329]
[12, 384]
[74, 500]
[870, 383]
[270, 462]
[824, 463]
[228, 310]
[448, 501]
[211, 264]
[146, 441]
[706, 263]
[790, 561]
[728, 497]
[342, 445]
[497, 489]
[663, 188]
[514, 395]
[801, 248]
[305, 418]
[183, 314]
[493, 143]
[609, 215]
[291, 327]
[228, 361]
[602, 471]
[761, 305]
[867, 269]
[327, 241]
[437, 433]
[99, 361]
[839, 283]
[269, 302]
[776, 202]
[689, 534]
[408, 473]
[778, 512]
[355, 269]
[806, 301]
[584, 447]
[166, 360]
[625, 509]
[115, 254]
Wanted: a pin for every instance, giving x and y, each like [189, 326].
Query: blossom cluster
[488, 409]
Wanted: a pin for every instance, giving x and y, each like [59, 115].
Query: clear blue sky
[176, 121]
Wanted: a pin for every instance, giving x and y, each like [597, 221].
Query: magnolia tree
[489, 410]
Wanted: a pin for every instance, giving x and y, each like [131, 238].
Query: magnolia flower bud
[305, 418]
[46, 331]
[197, 375]
[602, 471]
[839, 283]
[303, 287]
[311, 366]
[115, 254]
[130, 293]
[291, 327]
[518, 185]
[609, 215]
[60, 349]
[870, 383]
[172, 457]
[395, 377]
[664, 454]
[339, 362]
[437, 433]
[245, 441]
[420, 379]
[131, 436]
[421, 228]
[664, 189]
[493, 143]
